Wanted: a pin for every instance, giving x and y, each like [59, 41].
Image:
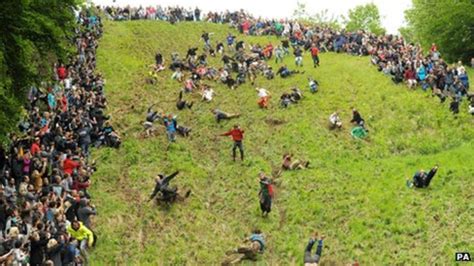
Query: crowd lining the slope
[44, 206]
[45, 173]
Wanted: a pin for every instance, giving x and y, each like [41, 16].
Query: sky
[390, 11]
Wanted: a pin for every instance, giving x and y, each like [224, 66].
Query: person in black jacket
[421, 179]
[168, 194]
[357, 118]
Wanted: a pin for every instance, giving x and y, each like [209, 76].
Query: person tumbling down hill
[284, 72]
[254, 245]
[313, 85]
[181, 104]
[220, 115]
[263, 97]
[309, 259]
[237, 135]
[151, 117]
[289, 164]
[421, 179]
[166, 193]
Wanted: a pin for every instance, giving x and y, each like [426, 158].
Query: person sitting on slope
[335, 121]
[357, 118]
[289, 164]
[421, 179]
[254, 245]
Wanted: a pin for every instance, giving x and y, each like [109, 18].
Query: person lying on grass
[253, 246]
[289, 164]
[221, 115]
[421, 179]
[284, 72]
[166, 193]
[181, 104]
[309, 259]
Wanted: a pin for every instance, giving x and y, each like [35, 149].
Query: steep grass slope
[355, 192]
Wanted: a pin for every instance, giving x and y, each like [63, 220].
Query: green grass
[355, 192]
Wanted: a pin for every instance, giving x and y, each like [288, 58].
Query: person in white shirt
[263, 96]
[335, 120]
[207, 93]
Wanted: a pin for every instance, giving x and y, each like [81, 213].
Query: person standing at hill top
[237, 135]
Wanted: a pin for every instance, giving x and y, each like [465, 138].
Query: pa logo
[463, 256]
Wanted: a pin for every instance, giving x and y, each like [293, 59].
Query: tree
[324, 19]
[34, 33]
[448, 23]
[300, 11]
[365, 17]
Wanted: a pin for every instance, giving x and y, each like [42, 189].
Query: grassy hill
[354, 193]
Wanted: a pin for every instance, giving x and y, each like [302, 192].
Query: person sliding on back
[181, 104]
[421, 179]
[237, 135]
[313, 260]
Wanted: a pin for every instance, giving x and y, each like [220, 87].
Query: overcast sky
[391, 11]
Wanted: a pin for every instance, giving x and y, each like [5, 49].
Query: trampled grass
[354, 193]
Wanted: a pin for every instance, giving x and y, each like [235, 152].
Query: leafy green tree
[323, 18]
[300, 11]
[34, 33]
[448, 23]
[365, 17]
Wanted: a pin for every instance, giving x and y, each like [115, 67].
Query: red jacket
[237, 134]
[69, 166]
[35, 148]
[62, 72]
[314, 51]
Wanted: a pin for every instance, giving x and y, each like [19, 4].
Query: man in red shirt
[315, 55]
[62, 72]
[35, 147]
[69, 165]
[237, 135]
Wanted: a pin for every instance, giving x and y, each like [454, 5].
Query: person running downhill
[237, 135]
